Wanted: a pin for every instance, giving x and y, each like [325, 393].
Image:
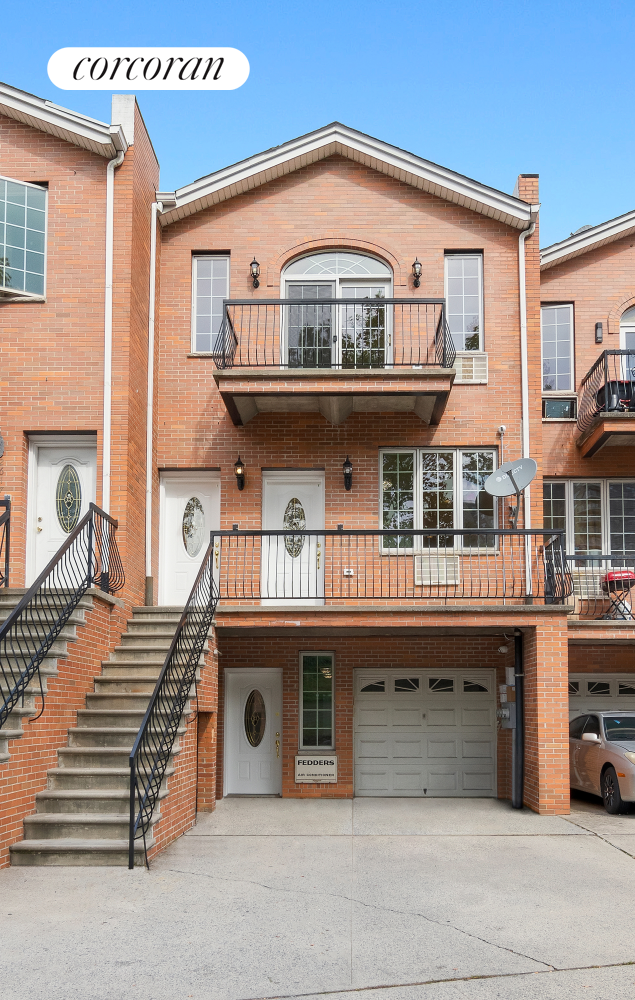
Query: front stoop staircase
[82, 817]
[26, 707]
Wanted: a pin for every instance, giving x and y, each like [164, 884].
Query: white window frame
[19, 295]
[457, 517]
[566, 393]
[604, 501]
[301, 655]
[195, 258]
[481, 331]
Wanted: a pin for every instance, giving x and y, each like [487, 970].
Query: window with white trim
[436, 489]
[598, 515]
[556, 323]
[464, 300]
[316, 701]
[22, 239]
[210, 285]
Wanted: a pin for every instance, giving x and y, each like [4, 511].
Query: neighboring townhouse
[319, 355]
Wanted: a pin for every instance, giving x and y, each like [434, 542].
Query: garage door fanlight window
[599, 687]
[574, 687]
[374, 687]
[626, 689]
[473, 687]
[406, 684]
[441, 684]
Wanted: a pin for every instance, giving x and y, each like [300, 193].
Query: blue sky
[489, 89]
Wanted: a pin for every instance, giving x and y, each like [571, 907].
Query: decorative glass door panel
[364, 337]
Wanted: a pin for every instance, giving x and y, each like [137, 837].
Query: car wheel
[611, 792]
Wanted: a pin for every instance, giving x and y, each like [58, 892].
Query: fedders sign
[126, 68]
[311, 767]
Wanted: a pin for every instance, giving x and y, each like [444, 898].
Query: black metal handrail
[608, 387]
[453, 565]
[88, 557]
[5, 541]
[345, 334]
[154, 742]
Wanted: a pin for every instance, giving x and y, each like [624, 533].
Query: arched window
[627, 330]
[351, 336]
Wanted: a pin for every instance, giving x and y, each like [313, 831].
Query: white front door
[292, 565]
[190, 509]
[425, 732]
[253, 732]
[62, 485]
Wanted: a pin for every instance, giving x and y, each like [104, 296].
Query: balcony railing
[454, 567]
[603, 585]
[334, 333]
[609, 387]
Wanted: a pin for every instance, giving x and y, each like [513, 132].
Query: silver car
[602, 757]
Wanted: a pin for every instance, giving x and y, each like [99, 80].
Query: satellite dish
[512, 477]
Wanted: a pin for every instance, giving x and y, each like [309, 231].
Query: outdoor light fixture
[239, 469]
[347, 467]
[416, 271]
[255, 272]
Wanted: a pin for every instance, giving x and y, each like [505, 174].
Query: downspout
[524, 370]
[120, 143]
[518, 742]
[157, 207]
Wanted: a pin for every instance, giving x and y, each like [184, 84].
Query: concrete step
[133, 685]
[78, 826]
[92, 777]
[68, 758]
[148, 654]
[106, 736]
[80, 853]
[117, 700]
[130, 640]
[110, 718]
[83, 801]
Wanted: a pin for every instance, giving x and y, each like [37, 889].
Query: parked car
[602, 757]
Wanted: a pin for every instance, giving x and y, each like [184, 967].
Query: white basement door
[425, 732]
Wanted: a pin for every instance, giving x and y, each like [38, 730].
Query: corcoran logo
[148, 69]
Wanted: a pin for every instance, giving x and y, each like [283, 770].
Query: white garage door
[428, 732]
[601, 693]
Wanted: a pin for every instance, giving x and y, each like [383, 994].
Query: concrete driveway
[378, 899]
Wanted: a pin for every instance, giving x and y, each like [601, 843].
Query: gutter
[121, 144]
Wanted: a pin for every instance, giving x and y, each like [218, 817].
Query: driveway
[376, 899]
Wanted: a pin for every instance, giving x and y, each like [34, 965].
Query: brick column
[547, 717]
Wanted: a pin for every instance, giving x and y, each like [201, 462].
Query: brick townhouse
[317, 355]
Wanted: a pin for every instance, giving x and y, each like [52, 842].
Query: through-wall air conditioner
[471, 368]
[437, 568]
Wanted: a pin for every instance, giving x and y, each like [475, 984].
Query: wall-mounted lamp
[347, 468]
[599, 333]
[239, 469]
[254, 270]
[416, 272]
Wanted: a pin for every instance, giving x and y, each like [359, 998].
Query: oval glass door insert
[294, 517]
[68, 498]
[193, 526]
[255, 718]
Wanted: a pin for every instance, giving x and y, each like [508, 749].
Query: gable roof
[588, 239]
[339, 139]
[98, 137]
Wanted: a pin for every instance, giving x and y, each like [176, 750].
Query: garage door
[601, 693]
[425, 732]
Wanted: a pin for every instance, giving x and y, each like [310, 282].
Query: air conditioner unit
[471, 368]
[587, 583]
[437, 568]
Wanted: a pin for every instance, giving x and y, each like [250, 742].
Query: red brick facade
[52, 381]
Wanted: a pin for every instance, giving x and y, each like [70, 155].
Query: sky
[489, 89]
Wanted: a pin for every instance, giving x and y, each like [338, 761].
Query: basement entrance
[425, 733]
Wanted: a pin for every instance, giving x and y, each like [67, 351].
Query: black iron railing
[603, 585]
[5, 541]
[609, 387]
[153, 746]
[329, 333]
[89, 557]
[456, 567]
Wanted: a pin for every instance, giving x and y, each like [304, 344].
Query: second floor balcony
[606, 414]
[334, 356]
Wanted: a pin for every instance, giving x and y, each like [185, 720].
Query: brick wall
[24, 774]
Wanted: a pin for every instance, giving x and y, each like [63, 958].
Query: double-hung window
[22, 239]
[316, 701]
[210, 285]
[435, 489]
[598, 515]
[464, 299]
